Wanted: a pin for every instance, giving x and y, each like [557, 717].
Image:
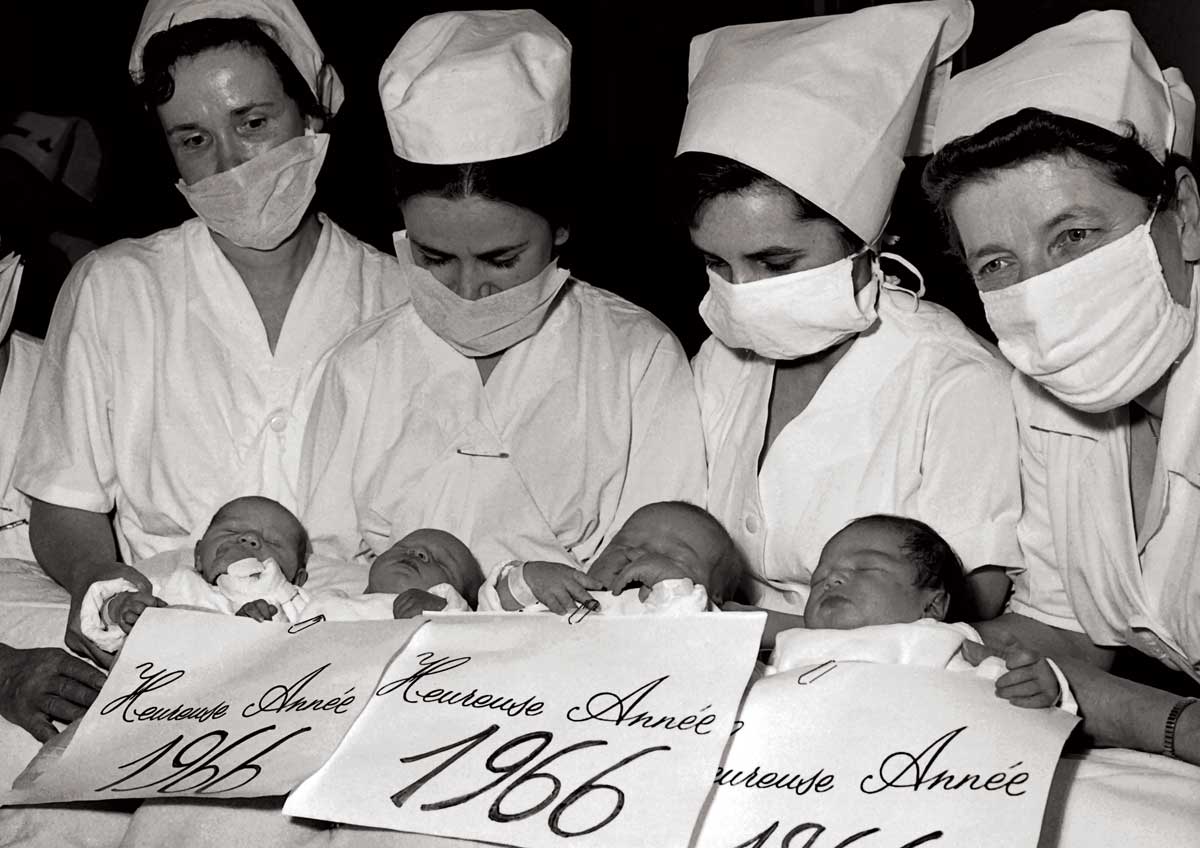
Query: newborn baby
[678, 556]
[427, 570]
[250, 561]
[888, 570]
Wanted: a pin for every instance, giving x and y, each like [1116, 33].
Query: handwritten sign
[534, 729]
[216, 706]
[882, 756]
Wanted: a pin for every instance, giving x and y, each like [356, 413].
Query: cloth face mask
[1097, 331]
[260, 203]
[792, 315]
[488, 325]
[11, 271]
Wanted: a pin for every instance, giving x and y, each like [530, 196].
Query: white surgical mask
[488, 325]
[1097, 331]
[260, 203]
[11, 270]
[792, 315]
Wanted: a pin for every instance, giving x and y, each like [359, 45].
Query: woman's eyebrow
[500, 251]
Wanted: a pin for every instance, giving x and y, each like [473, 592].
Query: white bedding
[1104, 799]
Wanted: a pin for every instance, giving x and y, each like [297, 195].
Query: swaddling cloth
[245, 580]
[667, 597]
[340, 606]
[927, 643]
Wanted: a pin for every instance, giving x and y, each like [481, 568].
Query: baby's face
[864, 577]
[251, 527]
[422, 560]
[673, 539]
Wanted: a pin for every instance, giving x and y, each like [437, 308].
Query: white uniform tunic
[24, 354]
[1085, 567]
[158, 392]
[579, 425]
[916, 419]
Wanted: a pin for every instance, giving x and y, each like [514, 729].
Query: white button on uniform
[751, 524]
[278, 421]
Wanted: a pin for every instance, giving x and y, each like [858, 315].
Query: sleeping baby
[881, 592]
[250, 561]
[677, 556]
[426, 571]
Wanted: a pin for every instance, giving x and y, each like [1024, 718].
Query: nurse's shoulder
[624, 325]
[937, 332]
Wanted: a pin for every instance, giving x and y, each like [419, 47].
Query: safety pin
[13, 524]
[583, 611]
[301, 626]
[824, 669]
[487, 454]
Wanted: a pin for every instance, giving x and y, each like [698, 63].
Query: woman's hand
[560, 587]
[259, 610]
[74, 639]
[412, 602]
[44, 684]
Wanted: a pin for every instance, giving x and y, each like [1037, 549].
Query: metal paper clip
[300, 626]
[814, 674]
[582, 611]
[488, 454]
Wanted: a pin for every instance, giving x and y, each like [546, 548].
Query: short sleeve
[970, 483]
[66, 450]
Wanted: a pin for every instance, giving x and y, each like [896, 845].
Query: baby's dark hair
[730, 569]
[936, 564]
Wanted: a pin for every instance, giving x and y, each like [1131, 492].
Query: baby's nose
[250, 540]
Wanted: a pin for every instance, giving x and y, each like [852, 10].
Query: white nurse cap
[1096, 68]
[473, 86]
[827, 106]
[280, 19]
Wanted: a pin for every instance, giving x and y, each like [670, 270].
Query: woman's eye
[193, 141]
[510, 262]
[1073, 237]
[255, 123]
[435, 261]
[779, 267]
[991, 268]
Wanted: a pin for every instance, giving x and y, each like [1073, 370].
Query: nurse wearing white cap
[1063, 178]
[827, 391]
[509, 403]
[179, 368]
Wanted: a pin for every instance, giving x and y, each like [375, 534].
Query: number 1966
[509, 759]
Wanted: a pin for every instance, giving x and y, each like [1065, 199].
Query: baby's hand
[259, 610]
[412, 602]
[560, 587]
[125, 608]
[647, 570]
[1030, 682]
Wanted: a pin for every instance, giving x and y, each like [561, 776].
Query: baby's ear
[301, 576]
[938, 605]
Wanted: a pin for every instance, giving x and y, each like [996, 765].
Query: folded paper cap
[827, 106]
[1095, 68]
[474, 86]
[280, 19]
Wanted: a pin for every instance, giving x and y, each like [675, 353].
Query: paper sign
[208, 705]
[533, 730]
[882, 756]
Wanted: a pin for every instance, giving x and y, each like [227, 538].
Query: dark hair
[156, 85]
[730, 569]
[936, 564]
[1033, 134]
[538, 181]
[700, 177]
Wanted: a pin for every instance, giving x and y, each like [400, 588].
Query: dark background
[629, 93]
